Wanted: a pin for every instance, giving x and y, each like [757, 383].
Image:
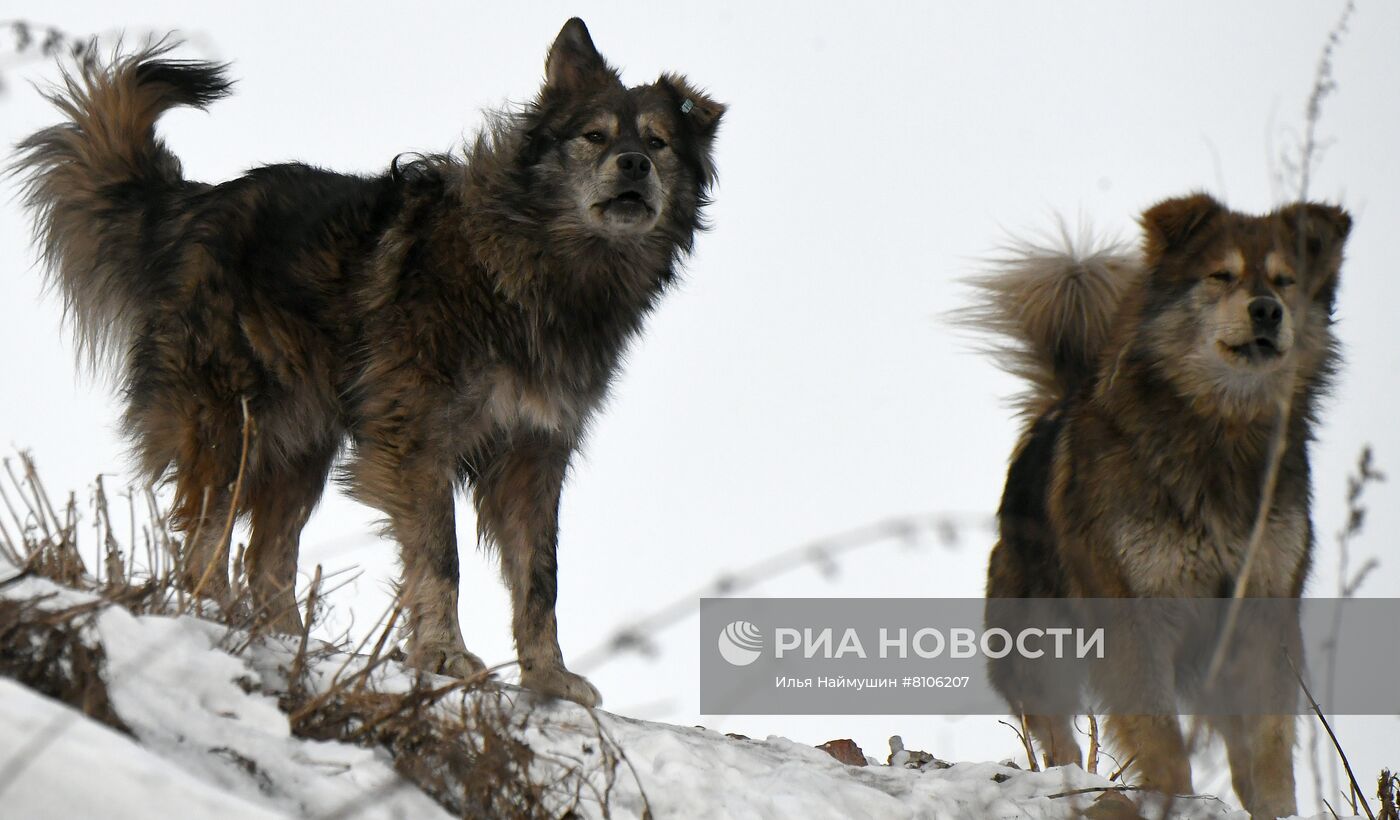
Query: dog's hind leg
[517, 499]
[280, 503]
[206, 470]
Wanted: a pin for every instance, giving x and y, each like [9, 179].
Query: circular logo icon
[740, 643]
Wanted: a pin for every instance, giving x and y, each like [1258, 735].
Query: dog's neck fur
[1209, 463]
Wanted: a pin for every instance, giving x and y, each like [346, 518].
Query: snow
[76, 767]
[209, 742]
[181, 695]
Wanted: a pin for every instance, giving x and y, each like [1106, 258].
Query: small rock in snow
[844, 750]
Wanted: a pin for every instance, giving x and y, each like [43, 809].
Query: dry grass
[469, 758]
[461, 742]
[1023, 734]
[49, 652]
[47, 647]
[1386, 790]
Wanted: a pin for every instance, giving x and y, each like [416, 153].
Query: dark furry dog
[1158, 380]
[457, 320]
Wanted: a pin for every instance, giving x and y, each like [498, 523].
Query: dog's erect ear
[573, 62]
[696, 107]
[698, 114]
[1316, 233]
[1171, 222]
[1323, 229]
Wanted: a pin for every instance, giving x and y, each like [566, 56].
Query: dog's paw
[462, 664]
[1272, 806]
[279, 616]
[558, 682]
[453, 662]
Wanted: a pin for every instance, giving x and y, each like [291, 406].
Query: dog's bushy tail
[89, 180]
[1053, 308]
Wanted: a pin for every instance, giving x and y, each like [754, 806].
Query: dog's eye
[656, 143]
[594, 136]
[1283, 281]
[1223, 276]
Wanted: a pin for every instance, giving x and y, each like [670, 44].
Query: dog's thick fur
[456, 320]
[1157, 381]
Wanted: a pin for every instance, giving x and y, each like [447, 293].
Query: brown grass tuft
[462, 742]
[48, 651]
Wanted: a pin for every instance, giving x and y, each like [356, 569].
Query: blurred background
[803, 382]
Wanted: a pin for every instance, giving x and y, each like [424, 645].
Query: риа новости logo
[740, 643]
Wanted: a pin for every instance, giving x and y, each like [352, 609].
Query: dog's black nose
[635, 166]
[1266, 313]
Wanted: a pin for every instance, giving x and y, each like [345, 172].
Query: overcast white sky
[801, 380]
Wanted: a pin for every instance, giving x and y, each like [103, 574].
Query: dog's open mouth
[1255, 351]
[627, 203]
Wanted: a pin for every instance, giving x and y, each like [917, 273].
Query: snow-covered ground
[211, 741]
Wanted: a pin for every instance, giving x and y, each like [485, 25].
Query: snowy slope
[211, 742]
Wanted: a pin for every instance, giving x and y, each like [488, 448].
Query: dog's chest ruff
[1170, 559]
[513, 402]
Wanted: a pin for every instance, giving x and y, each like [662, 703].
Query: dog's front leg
[430, 586]
[1268, 739]
[398, 474]
[517, 499]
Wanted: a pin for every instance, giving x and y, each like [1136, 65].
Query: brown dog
[457, 320]
[1158, 380]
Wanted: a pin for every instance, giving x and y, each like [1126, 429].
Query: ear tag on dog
[687, 106]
